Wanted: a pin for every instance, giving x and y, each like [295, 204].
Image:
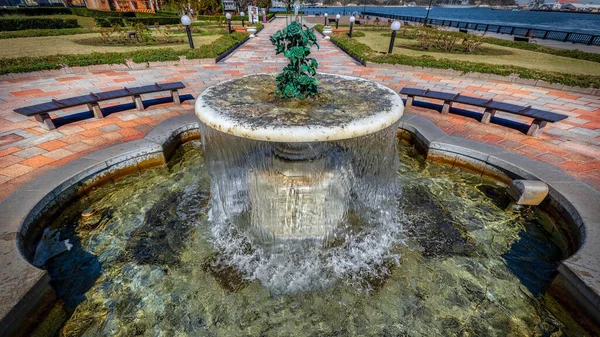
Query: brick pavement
[27, 151]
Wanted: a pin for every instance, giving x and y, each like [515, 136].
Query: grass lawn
[508, 56]
[52, 45]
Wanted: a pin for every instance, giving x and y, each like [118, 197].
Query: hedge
[110, 21]
[28, 64]
[365, 52]
[35, 11]
[233, 18]
[10, 24]
[576, 54]
[44, 32]
[92, 13]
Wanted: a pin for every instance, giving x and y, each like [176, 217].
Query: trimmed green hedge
[92, 13]
[28, 64]
[110, 21]
[10, 24]
[233, 18]
[44, 32]
[365, 52]
[35, 11]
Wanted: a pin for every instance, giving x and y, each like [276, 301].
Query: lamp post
[337, 20]
[242, 15]
[325, 15]
[395, 26]
[186, 21]
[352, 19]
[428, 10]
[228, 17]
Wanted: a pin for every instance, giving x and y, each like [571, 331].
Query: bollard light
[242, 14]
[228, 17]
[186, 21]
[352, 19]
[337, 21]
[325, 19]
[395, 26]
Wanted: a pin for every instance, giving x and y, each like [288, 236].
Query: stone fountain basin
[24, 214]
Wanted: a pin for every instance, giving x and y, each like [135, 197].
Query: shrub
[44, 32]
[471, 42]
[36, 23]
[92, 13]
[35, 11]
[111, 21]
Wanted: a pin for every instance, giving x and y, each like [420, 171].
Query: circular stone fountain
[296, 169]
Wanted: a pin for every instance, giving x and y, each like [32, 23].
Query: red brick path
[27, 151]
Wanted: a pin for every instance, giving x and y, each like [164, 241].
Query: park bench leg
[95, 108]
[409, 102]
[536, 127]
[175, 95]
[45, 121]
[446, 107]
[487, 115]
[139, 104]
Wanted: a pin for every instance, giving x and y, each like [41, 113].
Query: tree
[264, 4]
[243, 4]
[209, 7]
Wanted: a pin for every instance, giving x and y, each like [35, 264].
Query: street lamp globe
[325, 14]
[241, 13]
[352, 19]
[228, 16]
[396, 25]
[186, 21]
[338, 16]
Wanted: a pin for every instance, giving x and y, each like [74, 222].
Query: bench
[340, 30]
[331, 20]
[40, 111]
[521, 38]
[540, 117]
[239, 29]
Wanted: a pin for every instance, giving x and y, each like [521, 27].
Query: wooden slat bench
[540, 117]
[40, 111]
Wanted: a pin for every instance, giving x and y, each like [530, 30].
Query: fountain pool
[144, 264]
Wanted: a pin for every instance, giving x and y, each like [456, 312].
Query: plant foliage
[297, 78]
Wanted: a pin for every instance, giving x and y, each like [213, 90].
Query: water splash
[301, 216]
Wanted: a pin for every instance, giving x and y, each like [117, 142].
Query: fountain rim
[297, 134]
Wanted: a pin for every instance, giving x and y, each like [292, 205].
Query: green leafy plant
[297, 78]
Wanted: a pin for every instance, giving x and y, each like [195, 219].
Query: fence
[537, 33]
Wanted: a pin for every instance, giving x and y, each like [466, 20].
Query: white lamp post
[186, 21]
[242, 14]
[228, 17]
[325, 15]
[352, 19]
[395, 26]
[337, 21]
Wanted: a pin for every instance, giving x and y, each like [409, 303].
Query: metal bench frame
[40, 111]
[541, 118]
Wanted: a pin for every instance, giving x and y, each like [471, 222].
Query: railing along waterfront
[535, 33]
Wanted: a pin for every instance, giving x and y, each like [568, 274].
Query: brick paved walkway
[27, 151]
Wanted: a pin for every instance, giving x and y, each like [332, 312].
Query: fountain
[299, 213]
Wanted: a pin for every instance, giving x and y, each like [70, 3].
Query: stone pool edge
[25, 288]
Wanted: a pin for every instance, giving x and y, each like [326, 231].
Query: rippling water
[459, 261]
[575, 22]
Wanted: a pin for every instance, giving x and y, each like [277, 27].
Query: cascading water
[306, 199]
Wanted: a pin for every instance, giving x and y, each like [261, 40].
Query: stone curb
[24, 287]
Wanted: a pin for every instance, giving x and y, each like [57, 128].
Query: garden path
[28, 151]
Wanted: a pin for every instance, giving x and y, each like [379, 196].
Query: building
[229, 6]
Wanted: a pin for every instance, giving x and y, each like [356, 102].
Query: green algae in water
[144, 265]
